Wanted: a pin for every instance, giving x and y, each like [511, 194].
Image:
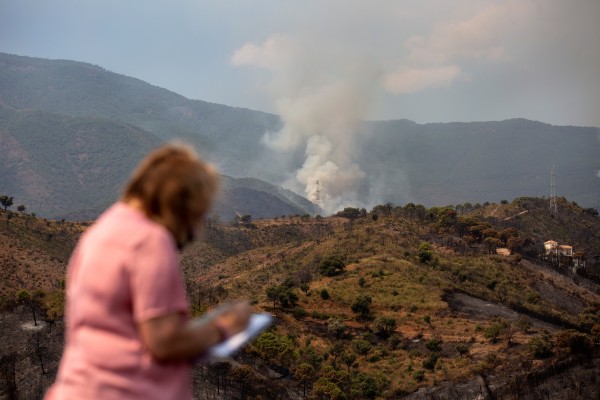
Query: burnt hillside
[397, 302]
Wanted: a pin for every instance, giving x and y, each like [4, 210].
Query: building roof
[503, 251]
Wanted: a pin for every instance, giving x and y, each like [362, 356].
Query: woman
[128, 334]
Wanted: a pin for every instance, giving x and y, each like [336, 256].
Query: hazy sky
[425, 60]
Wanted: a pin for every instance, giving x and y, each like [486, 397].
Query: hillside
[482, 161]
[74, 167]
[399, 302]
[441, 163]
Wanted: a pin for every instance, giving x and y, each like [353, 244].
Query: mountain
[82, 90]
[481, 161]
[441, 163]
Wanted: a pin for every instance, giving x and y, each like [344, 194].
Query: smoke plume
[321, 96]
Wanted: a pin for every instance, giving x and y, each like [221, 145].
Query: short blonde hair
[175, 188]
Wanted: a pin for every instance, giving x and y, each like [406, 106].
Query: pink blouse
[125, 270]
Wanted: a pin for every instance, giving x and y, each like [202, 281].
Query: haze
[427, 60]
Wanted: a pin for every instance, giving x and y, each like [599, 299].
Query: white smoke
[321, 96]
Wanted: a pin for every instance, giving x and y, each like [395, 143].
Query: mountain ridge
[403, 161]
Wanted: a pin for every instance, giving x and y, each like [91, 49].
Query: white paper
[257, 324]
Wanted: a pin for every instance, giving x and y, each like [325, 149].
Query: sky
[424, 60]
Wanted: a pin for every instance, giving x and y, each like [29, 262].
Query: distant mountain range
[70, 134]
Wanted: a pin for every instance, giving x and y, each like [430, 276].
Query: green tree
[336, 351]
[362, 305]
[496, 329]
[331, 266]
[324, 389]
[424, 252]
[434, 345]
[338, 327]
[540, 347]
[54, 304]
[272, 293]
[6, 201]
[507, 233]
[304, 373]
[365, 386]
[385, 326]
[349, 358]
[349, 212]
[361, 346]
[277, 347]
[305, 287]
[283, 294]
[21, 208]
[491, 244]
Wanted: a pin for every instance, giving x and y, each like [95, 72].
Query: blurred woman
[127, 330]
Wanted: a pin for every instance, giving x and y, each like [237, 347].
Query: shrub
[462, 349]
[524, 324]
[496, 329]
[325, 294]
[385, 326]
[331, 266]
[533, 297]
[419, 375]
[362, 305]
[337, 327]
[540, 347]
[425, 253]
[325, 389]
[362, 347]
[365, 386]
[429, 362]
[434, 345]
[284, 295]
[577, 342]
[395, 340]
[299, 312]
[275, 346]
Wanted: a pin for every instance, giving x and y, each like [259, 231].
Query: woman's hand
[231, 319]
[170, 337]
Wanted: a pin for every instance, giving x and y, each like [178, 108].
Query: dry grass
[381, 261]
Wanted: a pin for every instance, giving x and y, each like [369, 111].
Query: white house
[552, 247]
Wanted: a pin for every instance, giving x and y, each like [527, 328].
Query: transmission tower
[553, 205]
[317, 198]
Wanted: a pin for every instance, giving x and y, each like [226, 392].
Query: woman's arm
[171, 337]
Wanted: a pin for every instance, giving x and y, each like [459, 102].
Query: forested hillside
[395, 302]
[74, 168]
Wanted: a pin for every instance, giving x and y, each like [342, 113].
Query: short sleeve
[155, 279]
